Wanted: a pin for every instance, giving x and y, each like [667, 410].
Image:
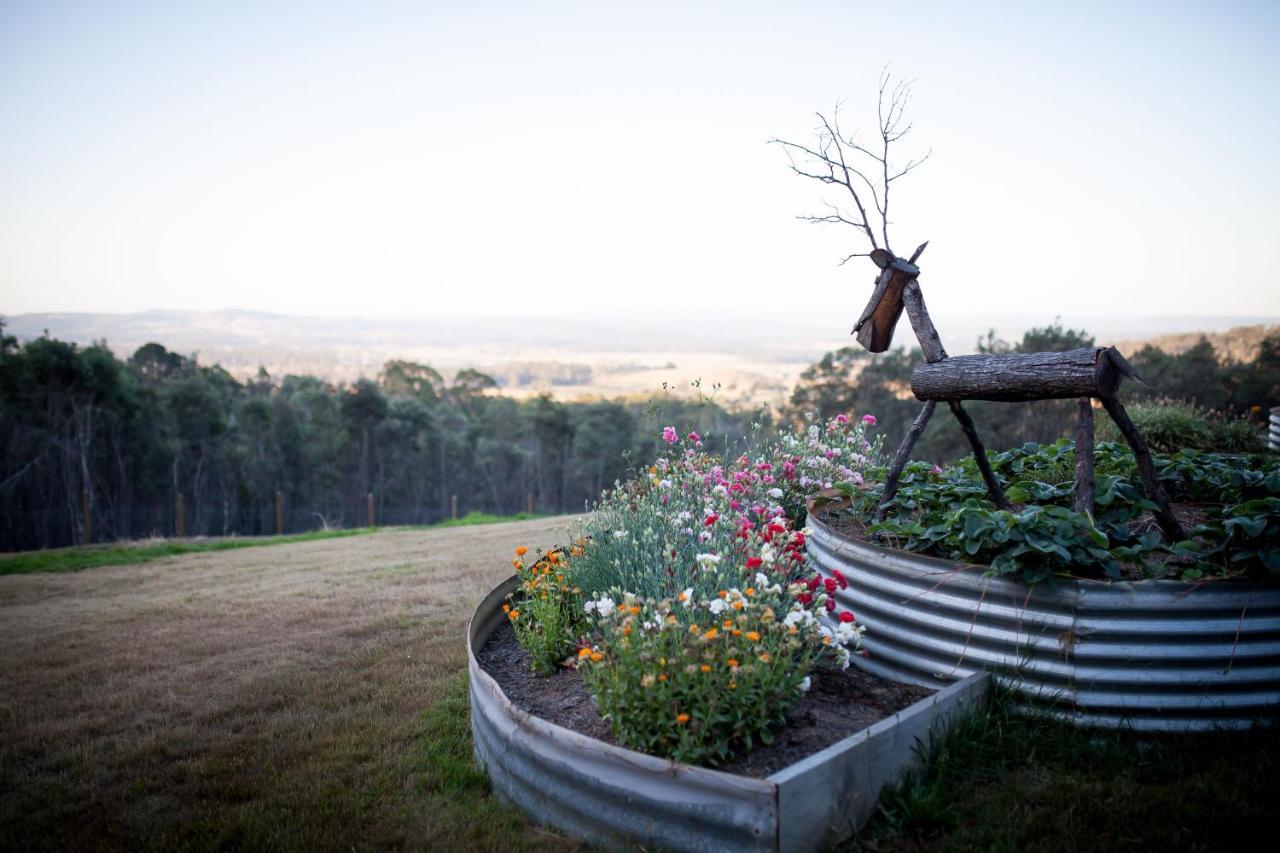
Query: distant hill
[631, 354]
[1238, 344]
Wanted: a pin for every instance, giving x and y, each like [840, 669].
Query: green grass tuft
[485, 518]
[1001, 782]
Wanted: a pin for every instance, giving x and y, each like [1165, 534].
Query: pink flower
[693, 436]
[937, 469]
[869, 420]
[669, 435]
[844, 419]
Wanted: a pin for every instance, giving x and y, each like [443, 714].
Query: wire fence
[57, 527]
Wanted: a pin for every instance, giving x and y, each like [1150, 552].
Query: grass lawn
[82, 557]
[312, 696]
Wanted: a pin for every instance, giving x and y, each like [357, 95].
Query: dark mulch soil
[839, 703]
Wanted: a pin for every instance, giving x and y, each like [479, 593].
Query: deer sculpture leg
[1168, 522]
[901, 457]
[980, 455]
[1084, 455]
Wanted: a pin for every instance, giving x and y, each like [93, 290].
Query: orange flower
[584, 652]
[662, 676]
[711, 634]
[727, 624]
[597, 657]
[738, 605]
[753, 636]
[682, 718]
[749, 591]
[705, 667]
[521, 551]
[733, 661]
[764, 656]
[506, 608]
[635, 608]
[514, 614]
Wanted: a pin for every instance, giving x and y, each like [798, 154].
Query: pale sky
[403, 159]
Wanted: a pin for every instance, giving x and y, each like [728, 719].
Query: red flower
[804, 598]
[831, 604]
[754, 562]
[846, 616]
[710, 520]
[830, 584]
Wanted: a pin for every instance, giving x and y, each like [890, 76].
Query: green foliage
[1170, 426]
[946, 513]
[697, 692]
[546, 610]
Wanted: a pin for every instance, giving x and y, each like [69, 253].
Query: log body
[1086, 372]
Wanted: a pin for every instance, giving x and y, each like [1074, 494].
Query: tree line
[130, 438]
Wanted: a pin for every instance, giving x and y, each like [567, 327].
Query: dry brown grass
[267, 697]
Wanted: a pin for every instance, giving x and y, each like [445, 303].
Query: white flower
[686, 598]
[767, 553]
[762, 579]
[775, 493]
[707, 560]
[589, 606]
[704, 536]
[805, 685]
[721, 491]
[619, 534]
[605, 605]
[717, 606]
[684, 515]
[664, 484]
[799, 616]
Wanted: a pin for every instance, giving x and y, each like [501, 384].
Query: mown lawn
[312, 696]
[83, 557]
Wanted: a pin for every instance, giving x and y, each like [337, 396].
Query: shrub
[1170, 426]
[698, 614]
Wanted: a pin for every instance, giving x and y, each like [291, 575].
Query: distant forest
[129, 440]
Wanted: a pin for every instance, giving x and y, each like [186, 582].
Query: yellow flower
[694, 629]
[733, 685]
[682, 718]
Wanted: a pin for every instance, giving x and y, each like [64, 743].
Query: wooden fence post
[279, 513]
[182, 517]
[88, 516]
[528, 503]
[369, 514]
[453, 507]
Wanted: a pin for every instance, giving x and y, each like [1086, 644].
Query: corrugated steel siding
[1152, 655]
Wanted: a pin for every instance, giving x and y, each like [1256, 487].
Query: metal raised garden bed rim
[1153, 655]
[617, 797]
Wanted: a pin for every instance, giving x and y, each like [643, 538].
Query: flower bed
[687, 604]
[619, 798]
[1151, 654]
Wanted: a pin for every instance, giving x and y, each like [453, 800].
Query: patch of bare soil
[839, 704]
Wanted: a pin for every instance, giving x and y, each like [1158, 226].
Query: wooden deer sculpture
[863, 173]
[1086, 374]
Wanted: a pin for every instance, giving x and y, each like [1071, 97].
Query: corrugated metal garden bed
[1153, 655]
[617, 797]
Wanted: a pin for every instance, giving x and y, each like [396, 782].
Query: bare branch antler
[840, 160]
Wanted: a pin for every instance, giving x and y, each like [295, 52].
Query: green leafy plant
[545, 611]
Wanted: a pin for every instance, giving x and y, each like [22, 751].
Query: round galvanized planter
[617, 798]
[1150, 655]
